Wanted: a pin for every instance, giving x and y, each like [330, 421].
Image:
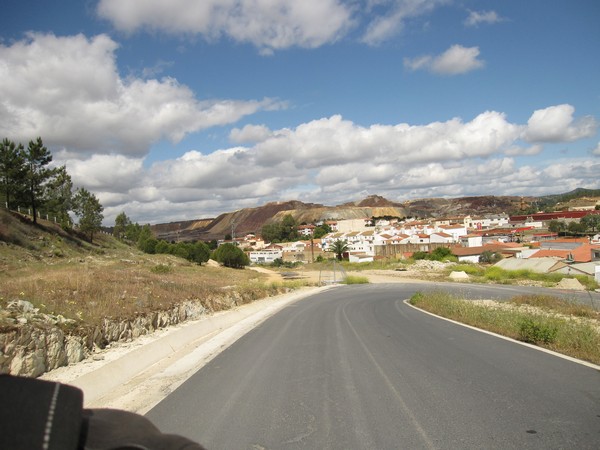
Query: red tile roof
[581, 254]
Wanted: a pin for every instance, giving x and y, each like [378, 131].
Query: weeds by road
[568, 328]
[92, 288]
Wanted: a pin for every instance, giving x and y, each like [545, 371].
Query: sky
[184, 109]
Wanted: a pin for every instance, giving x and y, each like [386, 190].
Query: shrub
[231, 256]
[468, 268]
[441, 254]
[162, 269]
[535, 331]
[148, 245]
[277, 262]
[181, 249]
[420, 255]
[589, 283]
[354, 279]
[489, 257]
[495, 274]
[162, 247]
[199, 252]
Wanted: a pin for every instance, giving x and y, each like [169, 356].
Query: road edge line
[506, 338]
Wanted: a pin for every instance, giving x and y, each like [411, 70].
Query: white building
[441, 238]
[265, 256]
[455, 230]
[471, 240]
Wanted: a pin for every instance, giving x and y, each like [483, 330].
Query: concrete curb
[116, 373]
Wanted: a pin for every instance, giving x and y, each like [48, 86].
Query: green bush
[470, 269]
[589, 283]
[442, 253]
[489, 257]
[439, 254]
[231, 255]
[420, 255]
[495, 274]
[199, 252]
[535, 331]
[162, 269]
[355, 279]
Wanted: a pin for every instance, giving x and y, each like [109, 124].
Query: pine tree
[59, 196]
[37, 157]
[12, 170]
[89, 210]
[121, 224]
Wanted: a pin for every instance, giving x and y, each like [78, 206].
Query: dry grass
[548, 322]
[61, 273]
[96, 287]
[557, 305]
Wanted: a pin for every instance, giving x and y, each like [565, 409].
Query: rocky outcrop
[32, 343]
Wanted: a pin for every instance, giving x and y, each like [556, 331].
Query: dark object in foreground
[36, 414]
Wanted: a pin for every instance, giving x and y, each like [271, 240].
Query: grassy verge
[548, 322]
[356, 279]
[497, 275]
[90, 289]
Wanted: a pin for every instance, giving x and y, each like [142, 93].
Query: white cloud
[517, 150]
[249, 133]
[270, 25]
[556, 124]
[454, 61]
[116, 173]
[267, 24]
[396, 12]
[488, 17]
[329, 161]
[596, 151]
[68, 90]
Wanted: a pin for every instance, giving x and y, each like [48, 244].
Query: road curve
[356, 368]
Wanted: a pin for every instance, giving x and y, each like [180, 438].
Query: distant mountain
[575, 198]
[487, 204]
[240, 222]
[374, 201]
[251, 220]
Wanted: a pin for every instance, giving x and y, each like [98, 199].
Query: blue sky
[181, 109]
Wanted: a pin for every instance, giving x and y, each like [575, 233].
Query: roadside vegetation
[28, 184]
[356, 279]
[478, 273]
[491, 274]
[62, 274]
[565, 327]
[92, 288]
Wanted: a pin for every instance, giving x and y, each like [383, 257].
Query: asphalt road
[356, 368]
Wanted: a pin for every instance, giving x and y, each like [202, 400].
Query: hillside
[488, 204]
[21, 241]
[251, 220]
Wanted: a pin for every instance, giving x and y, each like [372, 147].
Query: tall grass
[548, 322]
[498, 275]
[90, 291]
[355, 279]
[469, 269]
